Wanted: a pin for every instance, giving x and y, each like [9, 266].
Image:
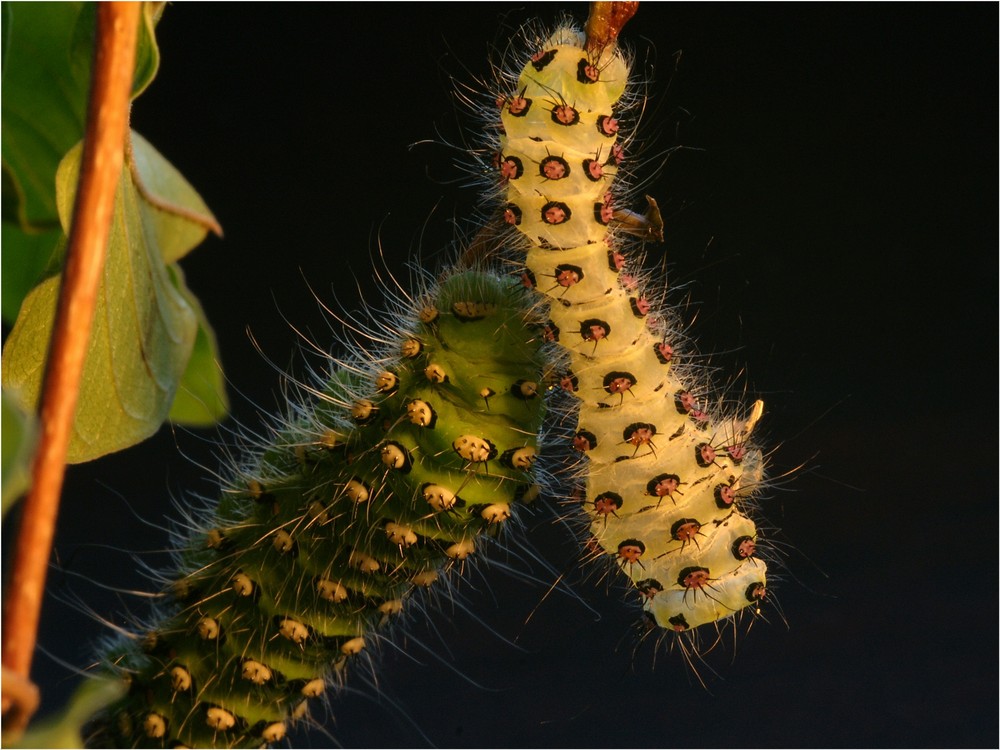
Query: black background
[833, 215]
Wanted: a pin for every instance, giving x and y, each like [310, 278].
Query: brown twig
[100, 170]
[605, 22]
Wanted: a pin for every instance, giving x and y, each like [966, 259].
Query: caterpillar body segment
[367, 494]
[556, 156]
[669, 477]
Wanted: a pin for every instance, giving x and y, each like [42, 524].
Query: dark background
[834, 218]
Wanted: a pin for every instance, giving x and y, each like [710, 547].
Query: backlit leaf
[201, 399]
[48, 50]
[144, 328]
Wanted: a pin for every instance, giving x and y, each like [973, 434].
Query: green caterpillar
[397, 467]
[397, 473]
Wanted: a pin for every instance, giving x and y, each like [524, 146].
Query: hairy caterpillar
[256, 489]
[828, 190]
[404, 461]
[668, 476]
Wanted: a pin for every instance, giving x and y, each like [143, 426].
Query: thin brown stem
[605, 22]
[103, 152]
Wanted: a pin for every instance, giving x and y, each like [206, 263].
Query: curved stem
[107, 125]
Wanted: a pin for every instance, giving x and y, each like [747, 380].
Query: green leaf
[147, 322]
[30, 256]
[182, 219]
[27, 258]
[48, 51]
[147, 54]
[144, 328]
[19, 436]
[201, 399]
[46, 81]
[65, 727]
[44, 102]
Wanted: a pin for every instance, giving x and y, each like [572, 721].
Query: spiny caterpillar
[397, 467]
[396, 473]
[667, 476]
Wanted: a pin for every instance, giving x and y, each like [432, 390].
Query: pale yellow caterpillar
[669, 474]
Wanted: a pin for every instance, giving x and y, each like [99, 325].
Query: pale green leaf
[181, 219]
[143, 334]
[201, 399]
